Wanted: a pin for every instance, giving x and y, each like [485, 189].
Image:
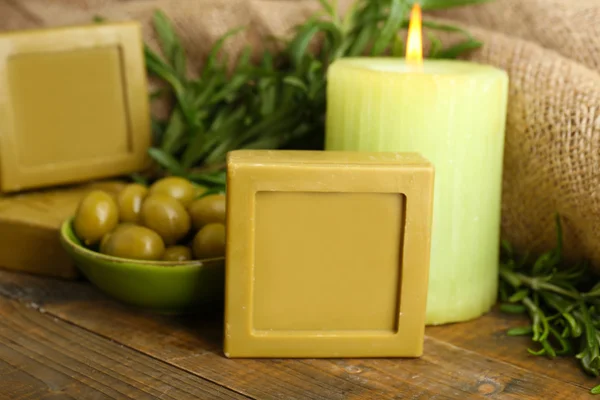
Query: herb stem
[537, 283]
[559, 302]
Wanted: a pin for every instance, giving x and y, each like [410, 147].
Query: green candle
[453, 113]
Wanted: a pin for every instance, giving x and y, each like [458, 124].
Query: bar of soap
[327, 253]
[30, 228]
[73, 105]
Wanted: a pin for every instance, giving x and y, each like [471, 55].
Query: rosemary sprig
[275, 102]
[561, 302]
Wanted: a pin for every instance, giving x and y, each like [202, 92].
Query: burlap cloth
[550, 48]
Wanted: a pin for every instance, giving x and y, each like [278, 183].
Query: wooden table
[62, 340]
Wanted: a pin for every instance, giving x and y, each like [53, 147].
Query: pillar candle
[453, 113]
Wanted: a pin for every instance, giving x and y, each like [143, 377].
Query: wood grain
[42, 356]
[450, 368]
[487, 336]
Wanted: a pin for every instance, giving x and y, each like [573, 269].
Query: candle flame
[414, 42]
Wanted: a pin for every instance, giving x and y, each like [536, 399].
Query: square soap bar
[327, 253]
[30, 228]
[73, 105]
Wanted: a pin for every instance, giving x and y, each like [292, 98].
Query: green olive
[130, 201]
[96, 215]
[208, 209]
[107, 235]
[133, 242]
[176, 187]
[209, 242]
[177, 253]
[104, 241]
[166, 216]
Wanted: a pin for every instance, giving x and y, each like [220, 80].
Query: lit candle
[453, 113]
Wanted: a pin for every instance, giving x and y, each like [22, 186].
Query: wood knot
[488, 387]
[351, 369]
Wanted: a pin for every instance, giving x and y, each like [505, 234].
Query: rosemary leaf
[213, 61]
[436, 45]
[170, 43]
[459, 48]
[562, 312]
[446, 28]
[518, 296]
[520, 331]
[174, 132]
[327, 7]
[166, 160]
[397, 14]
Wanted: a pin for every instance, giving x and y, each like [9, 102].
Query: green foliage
[561, 301]
[279, 100]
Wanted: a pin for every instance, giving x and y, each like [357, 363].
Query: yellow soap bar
[73, 105]
[30, 228]
[327, 253]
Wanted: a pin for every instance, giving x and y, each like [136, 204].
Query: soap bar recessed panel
[33, 95]
[73, 105]
[307, 262]
[327, 253]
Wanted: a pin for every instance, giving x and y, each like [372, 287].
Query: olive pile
[169, 221]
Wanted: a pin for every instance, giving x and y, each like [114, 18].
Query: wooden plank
[44, 356]
[193, 343]
[487, 336]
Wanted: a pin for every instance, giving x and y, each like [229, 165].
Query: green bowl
[160, 286]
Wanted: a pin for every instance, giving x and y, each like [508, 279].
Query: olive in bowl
[156, 269]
